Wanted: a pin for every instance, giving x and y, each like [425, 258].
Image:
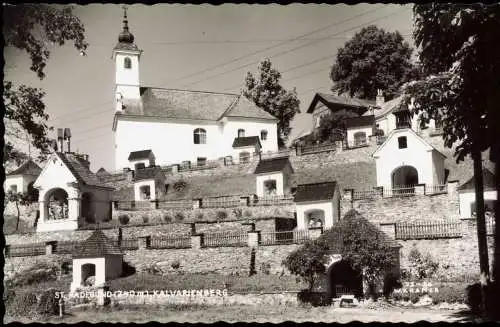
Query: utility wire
[284, 52]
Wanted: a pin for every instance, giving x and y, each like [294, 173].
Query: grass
[240, 284]
[9, 225]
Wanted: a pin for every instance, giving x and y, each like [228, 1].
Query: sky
[195, 47]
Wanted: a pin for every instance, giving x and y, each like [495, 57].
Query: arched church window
[127, 63]
[200, 136]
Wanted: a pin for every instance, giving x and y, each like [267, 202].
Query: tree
[332, 126]
[19, 199]
[373, 59]
[307, 262]
[266, 92]
[31, 28]
[461, 61]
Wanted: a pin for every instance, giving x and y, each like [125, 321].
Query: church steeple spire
[125, 36]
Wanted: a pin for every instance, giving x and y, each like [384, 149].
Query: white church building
[179, 125]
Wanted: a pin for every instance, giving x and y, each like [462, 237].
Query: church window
[241, 132]
[127, 63]
[200, 136]
[263, 135]
[402, 143]
[145, 192]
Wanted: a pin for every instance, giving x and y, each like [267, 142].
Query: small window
[270, 187]
[166, 188]
[139, 165]
[402, 142]
[200, 136]
[244, 157]
[13, 188]
[263, 135]
[145, 192]
[359, 138]
[201, 161]
[127, 63]
[241, 132]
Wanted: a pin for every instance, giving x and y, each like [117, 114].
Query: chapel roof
[193, 105]
[142, 154]
[245, 141]
[315, 192]
[79, 168]
[488, 182]
[342, 99]
[96, 246]
[27, 168]
[271, 165]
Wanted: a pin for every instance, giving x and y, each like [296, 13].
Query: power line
[274, 46]
[100, 105]
[284, 52]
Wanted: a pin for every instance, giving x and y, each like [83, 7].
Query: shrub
[49, 303]
[175, 264]
[221, 215]
[247, 213]
[167, 218]
[316, 299]
[145, 219]
[180, 186]
[124, 219]
[420, 266]
[238, 212]
[22, 305]
[179, 216]
[199, 216]
[34, 274]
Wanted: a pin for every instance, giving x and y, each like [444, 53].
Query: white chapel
[180, 125]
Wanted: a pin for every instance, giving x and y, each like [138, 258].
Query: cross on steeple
[125, 21]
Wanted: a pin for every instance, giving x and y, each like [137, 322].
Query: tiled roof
[196, 105]
[245, 141]
[27, 168]
[142, 154]
[97, 245]
[488, 182]
[386, 108]
[79, 169]
[342, 99]
[360, 121]
[315, 192]
[102, 173]
[146, 173]
[334, 235]
[246, 108]
[271, 165]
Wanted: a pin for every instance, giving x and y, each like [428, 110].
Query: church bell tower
[126, 55]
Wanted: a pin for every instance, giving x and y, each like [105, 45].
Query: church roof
[271, 165]
[386, 108]
[142, 154]
[245, 141]
[193, 105]
[360, 121]
[80, 170]
[315, 192]
[27, 168]
[488, 182]
[97, 245]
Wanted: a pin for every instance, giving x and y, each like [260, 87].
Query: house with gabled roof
[467, 195]
[179, 125]
[141, 158]
[246, 148]
[98, 257]
[273, 177]
[70, 193]
[317, 204]
[20, 180]
[149, 184]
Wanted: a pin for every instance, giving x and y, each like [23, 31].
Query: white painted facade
[137, 190]
[106, 267]
[173, 142]
[262, 178]
[418, 154]
[55, 177]
[303, 209]
[147, 162]
[466, 198]
[368, 130]
[127, 79]
[252, 150]
[19, 183]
